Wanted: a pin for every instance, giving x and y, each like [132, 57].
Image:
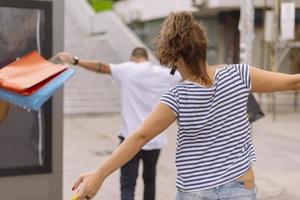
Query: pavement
[88, 139]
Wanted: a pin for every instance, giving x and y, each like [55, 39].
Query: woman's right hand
[89, 184]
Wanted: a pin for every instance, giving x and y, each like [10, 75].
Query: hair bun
[178, 36]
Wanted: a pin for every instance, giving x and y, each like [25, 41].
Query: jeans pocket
[240, 184]
[248, 185]
[199, 195]
[240, 190]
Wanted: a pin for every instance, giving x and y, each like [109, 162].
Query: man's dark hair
[139, 52]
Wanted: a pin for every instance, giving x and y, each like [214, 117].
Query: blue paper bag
[37, 99]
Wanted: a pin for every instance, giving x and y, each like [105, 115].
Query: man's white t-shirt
[141, 86]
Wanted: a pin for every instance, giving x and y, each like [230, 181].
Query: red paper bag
[27, 75]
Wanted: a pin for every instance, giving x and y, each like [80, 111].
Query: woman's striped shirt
[213, 141]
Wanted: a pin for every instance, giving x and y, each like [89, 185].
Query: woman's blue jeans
[233, 190]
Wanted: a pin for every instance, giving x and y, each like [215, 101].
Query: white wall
[122, 38]
[145, 10]
[236, 3]
[82, 13]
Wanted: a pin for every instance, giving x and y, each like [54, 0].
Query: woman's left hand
[90, 184]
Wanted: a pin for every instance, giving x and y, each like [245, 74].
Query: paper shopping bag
[28, 74]
[37, 99]
[254, 111]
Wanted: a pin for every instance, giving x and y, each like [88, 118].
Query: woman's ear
[179, 62]
[175, 63]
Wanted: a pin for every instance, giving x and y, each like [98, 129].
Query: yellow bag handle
[4, 106]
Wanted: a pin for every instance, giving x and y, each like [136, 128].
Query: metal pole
[276, 4]
[246, 28]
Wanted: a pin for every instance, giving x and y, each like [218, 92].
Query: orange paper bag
[28, 74]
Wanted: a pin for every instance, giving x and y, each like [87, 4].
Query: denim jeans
[233, 190]
[129, 174]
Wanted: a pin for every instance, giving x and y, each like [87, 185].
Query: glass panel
[22, 31]
[21, 139]
[25, 136]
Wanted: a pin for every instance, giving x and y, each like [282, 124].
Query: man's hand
[96, 66]
[65, 57]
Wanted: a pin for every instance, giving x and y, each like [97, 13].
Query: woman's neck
[190, 77]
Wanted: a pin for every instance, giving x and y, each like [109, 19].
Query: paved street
[88, 139]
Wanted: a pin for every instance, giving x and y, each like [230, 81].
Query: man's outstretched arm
[96, 66]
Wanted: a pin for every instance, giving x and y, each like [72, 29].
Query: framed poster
[25, 136]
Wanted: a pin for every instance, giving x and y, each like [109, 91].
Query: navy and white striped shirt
[213, 141]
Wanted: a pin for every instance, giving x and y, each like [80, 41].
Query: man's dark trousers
[129, 174]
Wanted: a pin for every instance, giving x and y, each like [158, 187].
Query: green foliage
[101, 5]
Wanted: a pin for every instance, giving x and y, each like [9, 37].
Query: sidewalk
[89, 139]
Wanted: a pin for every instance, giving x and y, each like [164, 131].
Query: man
[141, 83]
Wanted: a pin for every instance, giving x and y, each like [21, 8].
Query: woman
[214, 151]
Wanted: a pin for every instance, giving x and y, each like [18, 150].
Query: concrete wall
[44, 186]
[108, 23]
[119, 33]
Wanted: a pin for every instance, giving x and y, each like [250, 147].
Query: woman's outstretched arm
[266, 81]
[157, 121]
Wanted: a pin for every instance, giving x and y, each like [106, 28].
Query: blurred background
[263, 33]
[108, 30]
[82, 121]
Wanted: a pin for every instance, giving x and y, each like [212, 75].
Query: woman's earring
[173, 70]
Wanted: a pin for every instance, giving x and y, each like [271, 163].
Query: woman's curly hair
[181, 36]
